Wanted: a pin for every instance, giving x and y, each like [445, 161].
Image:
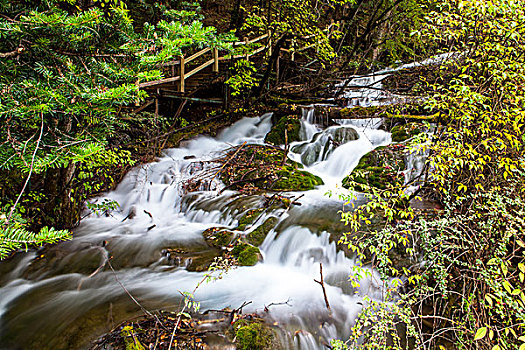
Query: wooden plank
[238, 43]
[157, 82]
[264, 36]
[181, 77]
[198, 54]
[199, 68]
[193, 99]
[262, 48]
[305, 48]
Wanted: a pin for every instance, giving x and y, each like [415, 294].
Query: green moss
[402, 133]
[246, 254]
[253, 336]
[249, 218]
[291, 179]
[380, 168]
[257, 236]
[217, 237]
[359, 111]
[131, 341]
[291, 124]
[264, 165]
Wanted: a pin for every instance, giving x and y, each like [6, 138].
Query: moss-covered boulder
[246, 254]
[292, 179]
[254, 335]
[256, 168]
[218, 237]
[249, 218]
[258, 235]
[402, 133]
[324, 143]
[286, 129]
[130, 339]
[381, 168]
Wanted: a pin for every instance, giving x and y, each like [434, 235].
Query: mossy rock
[402, 133]
[260, 168]
[246, 254]
[324, 143]
[257, 236]
[218, 237]
[363, 112]
[292, 125]
[249, 218]
[253, 335]
[381, 168]
[291, 179]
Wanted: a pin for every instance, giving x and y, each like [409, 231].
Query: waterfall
[56, 293]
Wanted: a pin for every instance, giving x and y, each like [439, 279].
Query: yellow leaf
[522, 347]
[496, 347]
[488, 299]
[521, 267]
[480, 334]
[507, 286]
[513, 333]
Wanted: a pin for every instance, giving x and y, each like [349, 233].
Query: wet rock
[277, 135]
[249, 218]
[218, 237]
[402, 133]
[381, 168]
[257, 236]
[254, 335]
[132, 343]
[246, 254]
[260, 168]
[324, 143]
[292, 179]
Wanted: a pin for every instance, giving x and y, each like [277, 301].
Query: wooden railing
[183, 62]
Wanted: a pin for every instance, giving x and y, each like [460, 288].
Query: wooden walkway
[186, 74]
[183, 69]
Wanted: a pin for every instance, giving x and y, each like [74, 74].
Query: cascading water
[57, 298]
[52, 293]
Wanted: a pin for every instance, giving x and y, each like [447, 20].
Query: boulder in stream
[324, 143]
[285, 130]
[382, 168]
[263, 168]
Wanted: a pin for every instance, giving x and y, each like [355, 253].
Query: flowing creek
[50, 299]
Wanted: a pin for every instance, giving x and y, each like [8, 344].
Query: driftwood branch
[321, 282]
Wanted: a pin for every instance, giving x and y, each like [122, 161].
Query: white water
[52, 295]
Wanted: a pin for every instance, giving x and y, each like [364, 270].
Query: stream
[56, 299]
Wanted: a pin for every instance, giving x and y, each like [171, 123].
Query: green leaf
[481, 333]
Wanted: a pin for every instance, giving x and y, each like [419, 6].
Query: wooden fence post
[293, 50]
[246, 43]
[215, 60]
[269, 44]
[181, 73]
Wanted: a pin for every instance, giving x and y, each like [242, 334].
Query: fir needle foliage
[67, 73]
